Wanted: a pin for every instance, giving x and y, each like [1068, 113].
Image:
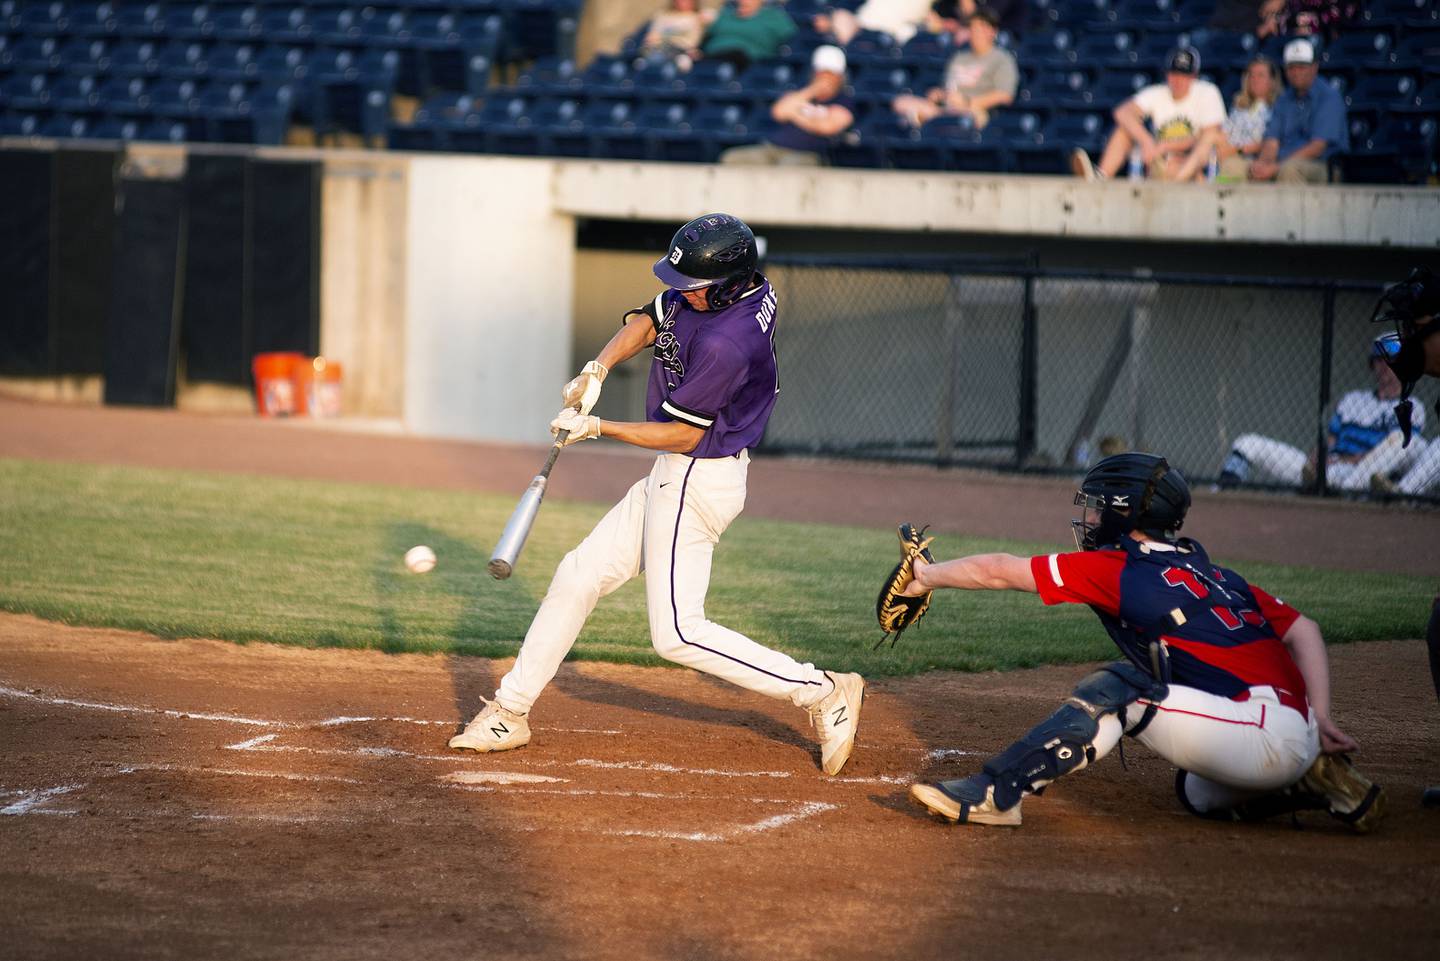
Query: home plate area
[354, 770]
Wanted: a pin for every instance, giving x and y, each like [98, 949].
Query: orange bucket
[275, 394]
[317, 387]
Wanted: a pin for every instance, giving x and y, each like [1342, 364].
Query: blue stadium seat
[1398, 13]
[870, 45]
[1382, 90]
[1232, 51]
[37, 54]
[44, 19]
[181, 59]
[1356, 48]
[116, 128]
[713, 78]
[175, 98]
[721, 124]
[234, 61]
[62, 125]
[770, 78]
[94, 19]
[141, 21]
[86, 55]
[614, 132]
[19, 125]
[1073, 13]
[466, 68]
[557, 75]
[433, 122]
[275, 62]
[126, 96]
[1114, 49]
[350, 90]
[1425, 101]
[927, 48]
[1114, 88]
[242, 23]
[1051, 47]
[608, 76]
[885, 82]
[1154, 48]
[26, 91]
[1161, 14]
[1416, 48]
[76, 94]
[659, 78]
[247, 112]
[540, 28]
[338, 26]
[191, 22]
[287, 25]
[387, 28]
[1401, 150]
[130, 57]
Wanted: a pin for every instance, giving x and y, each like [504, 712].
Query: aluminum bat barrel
[512, 539]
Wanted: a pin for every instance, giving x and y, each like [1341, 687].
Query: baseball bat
[512, 538]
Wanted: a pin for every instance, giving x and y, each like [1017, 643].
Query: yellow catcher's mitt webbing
[894, 611]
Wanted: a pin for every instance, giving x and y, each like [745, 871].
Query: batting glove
[581, 426]
[582, 392]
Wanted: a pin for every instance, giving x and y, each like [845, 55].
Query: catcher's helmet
[1130, 492]
[716, 252]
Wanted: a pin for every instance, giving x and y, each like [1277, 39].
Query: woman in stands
[1244, 129]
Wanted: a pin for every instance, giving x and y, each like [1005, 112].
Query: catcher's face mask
[1089, 528]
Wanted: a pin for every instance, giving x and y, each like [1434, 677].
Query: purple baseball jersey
[715, 369]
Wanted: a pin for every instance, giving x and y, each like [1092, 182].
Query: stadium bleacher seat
[94, 19]
[1382, 90]
[1400, 150]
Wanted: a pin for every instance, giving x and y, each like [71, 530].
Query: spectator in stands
[1260, 17]
[809, 118]
[1324, 18]
[978, 79]
[1364, 439]
[1244, 130]
[901, 19]
[1308, 123]
[675, 34]
[1184, 114]
[749, 31]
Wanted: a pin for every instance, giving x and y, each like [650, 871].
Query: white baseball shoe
[493, 729]
[836, 718]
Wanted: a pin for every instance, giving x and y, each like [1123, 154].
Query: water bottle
[1137, 165]
[1212, 168]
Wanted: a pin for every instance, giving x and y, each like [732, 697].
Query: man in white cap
[1306, 126]
[809, 118]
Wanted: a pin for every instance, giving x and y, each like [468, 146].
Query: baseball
[420, 559]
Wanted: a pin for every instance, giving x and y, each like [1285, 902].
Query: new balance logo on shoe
[499, 730]
[839, 716]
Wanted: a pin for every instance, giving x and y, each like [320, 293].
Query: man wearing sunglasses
[1413, 352]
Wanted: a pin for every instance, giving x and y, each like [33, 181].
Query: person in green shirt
[750, 30]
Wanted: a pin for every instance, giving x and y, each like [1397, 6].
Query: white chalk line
[131, 709]
[500, 777]
[233, 772]
[346, 719]
[31, 800]
[611, 792]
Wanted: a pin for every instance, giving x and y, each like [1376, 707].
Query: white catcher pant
[667, 526]
[1233, 749]
[1282, 463]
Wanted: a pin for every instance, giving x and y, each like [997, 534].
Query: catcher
[1225, 681]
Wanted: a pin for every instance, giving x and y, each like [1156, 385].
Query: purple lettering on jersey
[716, 370]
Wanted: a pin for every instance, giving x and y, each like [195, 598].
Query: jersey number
[1232, 618]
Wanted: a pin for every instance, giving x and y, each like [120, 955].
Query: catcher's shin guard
[1065, 741]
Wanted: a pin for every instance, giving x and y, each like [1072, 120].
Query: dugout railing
[1015, 367]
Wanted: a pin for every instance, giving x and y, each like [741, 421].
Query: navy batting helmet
[1130, 492]
[716, 252]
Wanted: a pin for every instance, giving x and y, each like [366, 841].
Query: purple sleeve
[716, 369]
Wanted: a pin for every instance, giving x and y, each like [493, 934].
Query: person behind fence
[978, 79]
[808, 119]
[1307, 125]
[1412, 306]
[751, 30]
[1244, 132]
[674, 34]
[1221, 679]
[1184, 114]
[1364, 438]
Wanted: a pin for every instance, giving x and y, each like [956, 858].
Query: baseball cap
[829, 58]
[1184, 60]
[1299, 50]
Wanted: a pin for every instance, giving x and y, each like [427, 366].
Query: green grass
[187, 554]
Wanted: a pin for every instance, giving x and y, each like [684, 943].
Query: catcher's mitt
[893, 610]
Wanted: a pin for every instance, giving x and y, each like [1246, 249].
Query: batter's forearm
[669, 436]
[1307, 649]
[978, 572]
[637, 334]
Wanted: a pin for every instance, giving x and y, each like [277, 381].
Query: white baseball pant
[1234, 750]
[1282, 463]
[666, 526]
[1424, 474]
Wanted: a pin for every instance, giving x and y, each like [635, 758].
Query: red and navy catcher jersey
[1230, 640]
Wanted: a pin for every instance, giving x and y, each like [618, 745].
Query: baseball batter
[713, 382]
[1225, 681]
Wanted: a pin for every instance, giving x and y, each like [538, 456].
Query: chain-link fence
[1011, 367]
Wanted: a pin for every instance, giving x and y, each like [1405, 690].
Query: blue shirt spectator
[1302, 116]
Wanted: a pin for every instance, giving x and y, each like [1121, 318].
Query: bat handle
[554, 453]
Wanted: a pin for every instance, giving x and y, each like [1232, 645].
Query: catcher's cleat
[967, 801]
[493, 729]
[1349, 795]
[836, 719]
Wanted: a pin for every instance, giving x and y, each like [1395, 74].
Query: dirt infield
[197, 799]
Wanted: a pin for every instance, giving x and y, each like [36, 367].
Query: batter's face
[696, 298]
